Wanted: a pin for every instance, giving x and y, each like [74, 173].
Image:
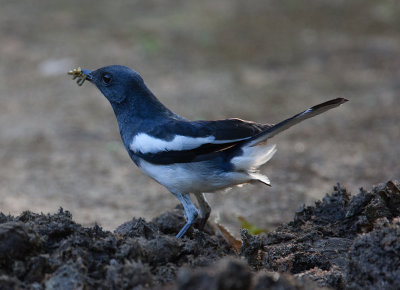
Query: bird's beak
[88, 74]
[81, 75]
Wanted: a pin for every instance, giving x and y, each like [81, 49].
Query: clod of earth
[340, 242]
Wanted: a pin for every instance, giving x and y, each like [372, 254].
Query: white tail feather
[253, 157]
[260, 177]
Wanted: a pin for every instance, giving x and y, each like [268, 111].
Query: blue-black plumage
[188, 156]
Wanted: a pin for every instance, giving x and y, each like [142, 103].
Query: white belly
[194, 177]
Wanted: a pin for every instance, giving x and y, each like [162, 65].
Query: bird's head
[116, 82]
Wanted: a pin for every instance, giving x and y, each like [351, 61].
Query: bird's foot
[183, 230]
[203, 221]
[191, 212]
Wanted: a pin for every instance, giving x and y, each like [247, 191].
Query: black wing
[207, 138]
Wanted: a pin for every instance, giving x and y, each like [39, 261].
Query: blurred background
[256, 60]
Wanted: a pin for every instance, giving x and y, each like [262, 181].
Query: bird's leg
[190, 212]
[205, 209]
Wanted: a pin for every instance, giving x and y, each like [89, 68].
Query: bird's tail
[286, 124]
[252, 156]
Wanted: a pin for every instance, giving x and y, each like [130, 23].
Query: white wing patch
[148, 144]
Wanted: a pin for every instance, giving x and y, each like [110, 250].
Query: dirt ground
[342, 242]
[256, 60]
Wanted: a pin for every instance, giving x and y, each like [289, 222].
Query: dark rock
[228, 274]
[9, 283]
[127, 275]
[341, 242]
[276, 281]
[374, 258]
[316, 244]
[137, 228]
[170, 222]
[69, 276]
[16, 240]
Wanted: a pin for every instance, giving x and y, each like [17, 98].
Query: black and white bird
[188, 157]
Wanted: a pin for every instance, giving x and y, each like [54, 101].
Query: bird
[188, 157]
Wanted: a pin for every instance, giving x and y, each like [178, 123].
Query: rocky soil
[342, 242]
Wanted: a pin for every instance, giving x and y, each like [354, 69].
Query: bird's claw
[77, 73]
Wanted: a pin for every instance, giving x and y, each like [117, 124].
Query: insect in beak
[79, 75]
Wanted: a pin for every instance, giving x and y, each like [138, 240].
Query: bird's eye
[107, 79]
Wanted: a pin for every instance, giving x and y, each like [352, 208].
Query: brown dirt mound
[341, 242]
